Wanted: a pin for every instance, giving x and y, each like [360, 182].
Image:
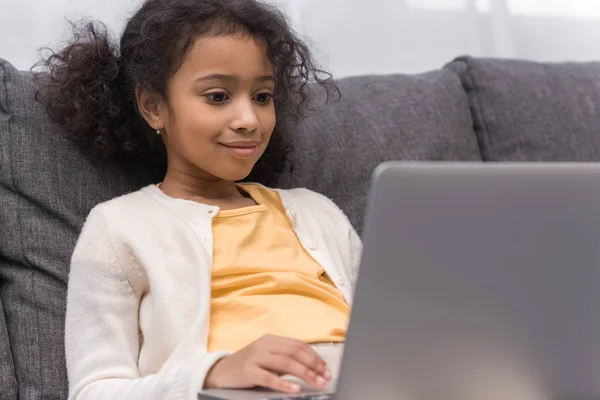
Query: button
[340, 281]
[312, 246]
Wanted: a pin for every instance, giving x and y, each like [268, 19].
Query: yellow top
[264, 281]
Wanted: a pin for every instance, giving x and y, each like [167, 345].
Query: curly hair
[88, 87]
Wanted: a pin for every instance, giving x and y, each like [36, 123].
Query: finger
[286, 365]
[272, 381]
[304, 354]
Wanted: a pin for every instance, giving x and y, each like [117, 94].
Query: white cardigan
[138, 303]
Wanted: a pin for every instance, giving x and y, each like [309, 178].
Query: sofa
[471, 110]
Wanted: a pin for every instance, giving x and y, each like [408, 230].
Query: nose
[246, 119]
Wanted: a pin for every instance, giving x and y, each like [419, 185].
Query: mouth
[241, 149]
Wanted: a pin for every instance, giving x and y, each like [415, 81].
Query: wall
[359, 36]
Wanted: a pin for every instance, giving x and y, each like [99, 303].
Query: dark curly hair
[89, 86]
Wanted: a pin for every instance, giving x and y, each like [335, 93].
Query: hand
[263, 362]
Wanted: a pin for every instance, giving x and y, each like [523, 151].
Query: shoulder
[310, 202]
[113, 214]
[126, 202]
[103, 249]
[302, 196]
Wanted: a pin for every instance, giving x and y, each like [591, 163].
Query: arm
[102, 333]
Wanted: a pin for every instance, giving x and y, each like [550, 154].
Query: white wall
[28, 25]
[386, 36]
[361, 36]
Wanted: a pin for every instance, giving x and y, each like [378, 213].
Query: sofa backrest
[8, 379]
[527, 111]
[381, 118]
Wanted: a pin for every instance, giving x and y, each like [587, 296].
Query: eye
[217, 97]
[263, 98]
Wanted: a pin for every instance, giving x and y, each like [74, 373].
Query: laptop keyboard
[307, 397]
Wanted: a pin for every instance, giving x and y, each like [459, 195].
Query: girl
[199, 281]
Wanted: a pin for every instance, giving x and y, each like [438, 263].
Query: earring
[158, 131]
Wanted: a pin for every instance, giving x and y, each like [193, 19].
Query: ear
[152, 107]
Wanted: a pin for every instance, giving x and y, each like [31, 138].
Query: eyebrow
[232, 78]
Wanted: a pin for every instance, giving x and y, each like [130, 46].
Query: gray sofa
[470, 110]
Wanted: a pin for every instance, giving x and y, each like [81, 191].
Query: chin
[234, 169]
[236, 176]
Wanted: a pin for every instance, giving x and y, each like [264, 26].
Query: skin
[216, 124]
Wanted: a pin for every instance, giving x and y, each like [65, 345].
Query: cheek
[204, 124]
[268, 120]
[195, 122]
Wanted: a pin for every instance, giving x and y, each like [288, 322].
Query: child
[199, 281]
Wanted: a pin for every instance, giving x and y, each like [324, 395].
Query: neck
[183, 185]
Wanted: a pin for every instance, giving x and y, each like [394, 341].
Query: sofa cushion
[8, 381]
[527, 111]
[381, 118]
[47, 188]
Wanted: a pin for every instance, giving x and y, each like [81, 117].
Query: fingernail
[294, 388]
[320, 381]
[327, 374]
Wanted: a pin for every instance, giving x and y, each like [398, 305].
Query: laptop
[477, 282]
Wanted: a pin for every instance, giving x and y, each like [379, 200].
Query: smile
[242, 150]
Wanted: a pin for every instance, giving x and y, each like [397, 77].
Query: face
[220, 113]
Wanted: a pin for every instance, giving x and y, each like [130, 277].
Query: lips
[242, 149]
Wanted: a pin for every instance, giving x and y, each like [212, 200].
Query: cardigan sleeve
[102, 332]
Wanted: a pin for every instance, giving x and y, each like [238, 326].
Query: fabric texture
[8, 381]
[264, 280]
[527, 111]
[138, 303]
[47, 188]
[380, 118]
